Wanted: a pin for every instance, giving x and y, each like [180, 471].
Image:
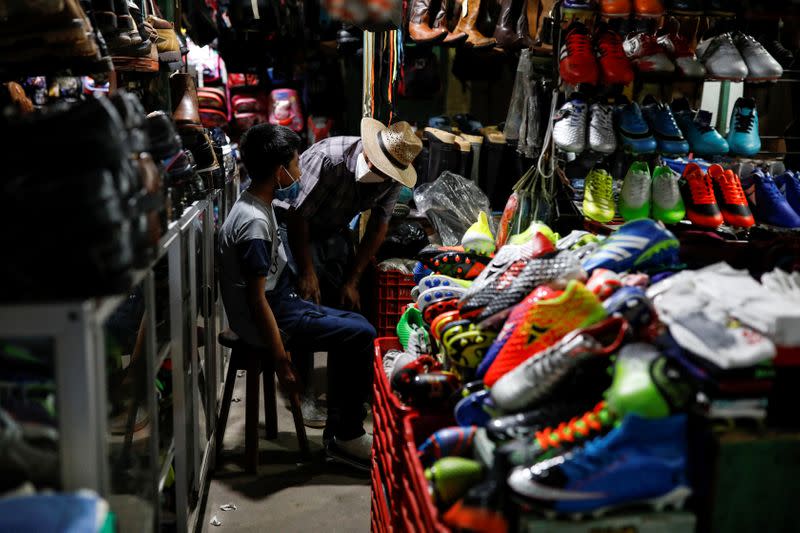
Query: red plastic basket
[380, 517]
[394, 293]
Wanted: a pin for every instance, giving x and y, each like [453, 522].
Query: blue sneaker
[743, 137]
[771, 206]
[421, 271]
[632, 304]
[696, 127]
[583, 5]
[640, 462]
[477, 409]
[790, 182]
[633, 130]
[668, 135]
[637, 245]
[679, 165]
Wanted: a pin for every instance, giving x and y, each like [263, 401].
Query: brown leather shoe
[419, 23]
[441, 21]
[169, 49]
[467, 24]
[185, 106]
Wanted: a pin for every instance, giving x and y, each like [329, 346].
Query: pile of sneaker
[571, 365]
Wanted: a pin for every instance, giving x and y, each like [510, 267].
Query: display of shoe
[598, 196]
[776, 49]
[662, 123]
[743, 135]
[169, 48]
[730, 197]
[684, 7]
[632, 304]
[615, 8]
[602, 138]
[440, 280]
[635, 196]
[451, 477]
[615, 67]
[722, 59]
[668, 206]
[468, 22]
[354, 452]
[698, 196]
[577, 63]
[647, 55]
[761, 66]
[641, 462]
[633, 130]
[569, 130]
[419, 25]
[431, 296]
[648, 8]
[540, 375]
[696, 126]
[478, 238]
[603, 283]
[790, 182]
[457, 264]
[524, 426]
[455, 441]
[682, 54]
[637, 245]
[538, 271]
[771, 206]
[542, 323]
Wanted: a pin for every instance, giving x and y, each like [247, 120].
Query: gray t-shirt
[249, 244]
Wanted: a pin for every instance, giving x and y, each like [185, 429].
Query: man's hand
[287, 378]
[349, 297]
[308, 285]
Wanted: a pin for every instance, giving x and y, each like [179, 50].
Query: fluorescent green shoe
[598, 199]
[478, 238]
[668, 205]
[410, 321]
[635, 197]
[535, 227]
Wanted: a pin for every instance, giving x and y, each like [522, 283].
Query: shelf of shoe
[166, 463]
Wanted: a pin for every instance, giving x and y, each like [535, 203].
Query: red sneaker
[615, 67]
[577, 62]
[730, 197]
[698, 196]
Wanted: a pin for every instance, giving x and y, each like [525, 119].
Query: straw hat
[392, 149]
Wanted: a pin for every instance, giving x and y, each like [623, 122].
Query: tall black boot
[491, 163]
[444, 155]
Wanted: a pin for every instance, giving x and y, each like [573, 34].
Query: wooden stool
[255, 361]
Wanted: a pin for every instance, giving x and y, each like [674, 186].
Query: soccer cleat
[563, 266]
[648, 56]
[438, 308]
[615, 67]
[667, 133]
[569, 129]
[506, 265]
[603, 283]
[782, 55]
[576, 239]
[530, 233]
[615, 8]
[632, 304]
[771, 206]
[761, 66]
[437, 294]
[598, 196]
[577, 63]
[441, 321]
[648, 8]
[743, 137]
[439, 280]
[648, 384]
[640, 462]
[635, 197]
[465, 344]
[696, 127]
[668, 206]
[722, 59]
[536, 379]
[633, 129]
[602, 138]
[730, 197]
[790, 181]
[410, 320]
[637, 245]
[525, 425]
[698, 197]
[681, 52]
[457, 264]
[456, 441]
[542, 323]
[451, 477]
[478, 238]
[421, 271]
[476, 409]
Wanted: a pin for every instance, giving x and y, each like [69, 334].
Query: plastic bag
[452, 204]
[519, 97]
[404, 240]
[406, 266]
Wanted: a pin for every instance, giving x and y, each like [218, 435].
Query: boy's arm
[268, 326]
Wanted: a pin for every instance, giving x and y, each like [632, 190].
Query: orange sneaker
[615, 8]
[649, 8]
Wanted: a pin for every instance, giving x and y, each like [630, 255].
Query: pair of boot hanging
[423, 28]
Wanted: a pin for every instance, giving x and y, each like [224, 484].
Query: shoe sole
[674, 499]
[169, 57]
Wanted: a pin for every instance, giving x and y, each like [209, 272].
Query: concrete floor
[284, 496]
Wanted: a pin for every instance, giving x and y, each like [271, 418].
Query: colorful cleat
[541, 323]
[615, 67]
[790, 182]
[466, 344]
[525, 425]
[410, 320]
[439, 308]
[439, 280]
[637, 245]
[770, 205]
[743, 136]
[598, 197]
[730, 197]
[632, 304]
[649, 57]
[603, 283]
[478, 238]
[698, 130]
[636, 194]
[577, 63]
[668, 206]
[421, 271]
[530, 233]
[451, 477]
[447, 442]
[475, 410]
[461, 265]
[698, 196]
[440, 323]
[438, 294]
[639, 462]
[536, 379]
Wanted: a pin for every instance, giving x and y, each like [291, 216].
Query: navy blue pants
[349, 339]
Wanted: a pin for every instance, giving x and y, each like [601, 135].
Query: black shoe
[525, 425]
[165, 143]
[776, 49]
[721, 7]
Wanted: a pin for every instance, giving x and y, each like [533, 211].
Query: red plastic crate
[380, 517]
[394, 293]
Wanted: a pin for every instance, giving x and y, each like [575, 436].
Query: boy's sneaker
[662, 122]
[698, 196]
[761, 65]
[730, 197]
[743, 137]
[634, 199]
[354, 452]
[577, 63]
[598, 197]
[668, 205]
[633, 130]
[569, 131]
[615, 67]
[697, 128]
[602, 138]
[722, 59]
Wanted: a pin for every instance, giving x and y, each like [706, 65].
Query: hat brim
[369, 137]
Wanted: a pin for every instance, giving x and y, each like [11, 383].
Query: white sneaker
[635, 196]
[722, 59]
[602, 138]
[569, 132]
[761, 66]
[354, 452]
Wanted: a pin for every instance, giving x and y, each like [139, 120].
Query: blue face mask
[289, 193]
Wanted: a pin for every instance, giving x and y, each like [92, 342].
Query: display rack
[79, 347]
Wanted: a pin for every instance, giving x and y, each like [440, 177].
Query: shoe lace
[611, 46]
[650, 45]
[578, 43]
[599, 187]
[732, 189]
[744, 123]
[701, 189]
[581, 427]
[702, 122]
[604, 118]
